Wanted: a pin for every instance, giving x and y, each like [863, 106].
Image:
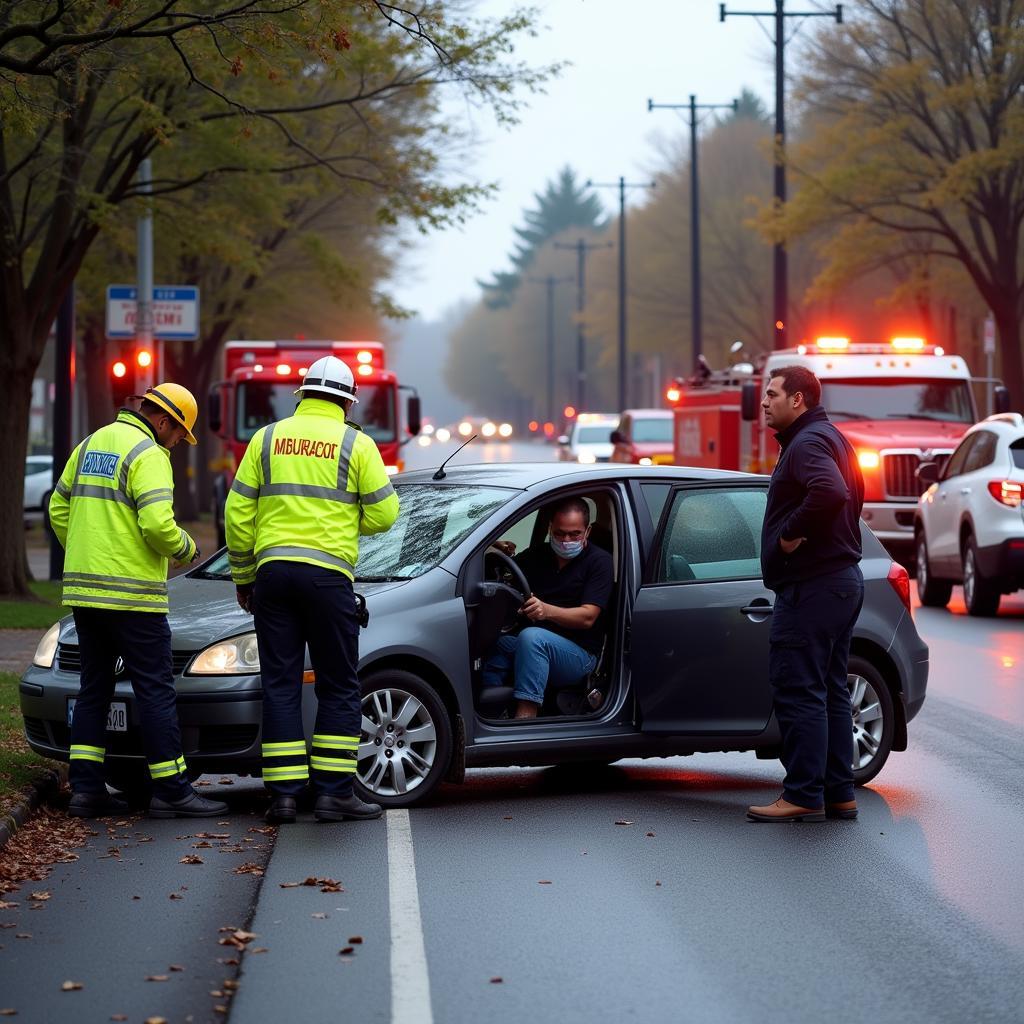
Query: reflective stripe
[284, 749]
[286, 772]
[244, 489]
[151, 497]
[332, 764]
[182, 551]
[98, 491]
[345, 457]
[164, 769]
[168, 402]
[73, 598]
[154, 586]
[83, 752]
[126, 462]
[287, 551]
[337, 742]
[241, 558]
[143, 590]
[268, 440]
[62, 490]
[378, 495]
[81, 458]
[308, 491]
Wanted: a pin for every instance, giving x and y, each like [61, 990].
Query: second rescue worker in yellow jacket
[306, 488]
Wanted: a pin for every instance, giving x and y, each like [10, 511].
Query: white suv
[969, 526]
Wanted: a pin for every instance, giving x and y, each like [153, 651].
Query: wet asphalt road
[915, 912]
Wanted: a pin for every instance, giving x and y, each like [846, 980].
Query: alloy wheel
[922, 565]
[970, 577]
[868, 720]
[398, 743]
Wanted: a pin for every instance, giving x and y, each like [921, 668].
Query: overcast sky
[594, 117]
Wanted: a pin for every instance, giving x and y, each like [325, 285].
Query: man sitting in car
[571, 581]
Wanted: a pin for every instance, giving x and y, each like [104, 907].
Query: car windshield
[594, 435]
[262, 402]
[432, 521]
[652, 430]
[898, 398]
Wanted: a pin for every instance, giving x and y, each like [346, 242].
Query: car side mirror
[749, 404]
[213, 410]
[413, 416]
[617, 437]
[928, 472]
[563, 439]
[1000, 399]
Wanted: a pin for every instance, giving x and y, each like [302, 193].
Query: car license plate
[117, 715]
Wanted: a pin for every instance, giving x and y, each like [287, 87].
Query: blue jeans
[537, 657]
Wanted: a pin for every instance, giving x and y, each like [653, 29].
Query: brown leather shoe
[783, 810]
[846, 811]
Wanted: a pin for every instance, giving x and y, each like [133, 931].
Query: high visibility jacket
[305, 490]
[112, 511]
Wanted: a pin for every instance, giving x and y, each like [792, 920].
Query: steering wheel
[517, 574]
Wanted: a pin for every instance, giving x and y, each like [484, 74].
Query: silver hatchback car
[683, 668]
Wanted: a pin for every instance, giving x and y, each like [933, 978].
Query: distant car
[38, 481]
[683, 667]
[644, 437]
[589, 440]
[969, 524]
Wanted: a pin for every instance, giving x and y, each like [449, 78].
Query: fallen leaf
[23, 935]
[136, 897]
[7, 905]
[266, 830]
[217, 994]
[202, 782]
[650, 835]
[229, 928]
[356, 940]
[231, 984]
[8, 1012]
[119, 1016]
[71, 986]
[623, 821]
[657, 883]
[204, 845]
[226, 782]
[156, 977]
[220, 1008]
[191, 859]
[145, 839]
[289, 885]
[230, 961]
[346, 951]
[497, 981]
[249, 868]
[156, 1020]
[8, 924]
[176, 967]
[319, 917]
[175, 896]
[213, 835]
[544, 882]
[244, 936]
[508, 817]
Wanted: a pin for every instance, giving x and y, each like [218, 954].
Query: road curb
[42, 790]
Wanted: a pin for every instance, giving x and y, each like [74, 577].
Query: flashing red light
[569, 412]
[899, 580]
[779, 325]
[549, 429]
[673, 394]
[119, 369]
[283, 369]
[534, 426]
[144, 357]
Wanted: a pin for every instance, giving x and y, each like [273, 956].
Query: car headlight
[586, 458]
[238, 656]
[47, 649]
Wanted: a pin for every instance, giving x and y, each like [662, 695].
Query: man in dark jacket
[810, 554]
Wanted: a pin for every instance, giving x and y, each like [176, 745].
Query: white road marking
[410, 981]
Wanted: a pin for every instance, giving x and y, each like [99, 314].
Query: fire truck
[900, 403]
[260, 379]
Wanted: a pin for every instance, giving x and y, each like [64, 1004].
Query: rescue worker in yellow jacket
[305, 490]
[112, 511]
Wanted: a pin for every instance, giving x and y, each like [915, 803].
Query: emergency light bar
[903, 345]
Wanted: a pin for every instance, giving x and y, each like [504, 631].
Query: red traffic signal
[118, 369]
[144, 357]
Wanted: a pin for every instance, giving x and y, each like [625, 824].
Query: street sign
[175, 312]
[989, 336]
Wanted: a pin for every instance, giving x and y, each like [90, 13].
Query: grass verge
[18, 764]
[34, 614]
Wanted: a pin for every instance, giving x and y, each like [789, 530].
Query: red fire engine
[260, 378]
[900, 404]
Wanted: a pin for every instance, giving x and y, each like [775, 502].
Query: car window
[1017, 453]
[955, 466]
[982, 453]
[712, 535]
[655, 495]
[646, 431]
[520, 532]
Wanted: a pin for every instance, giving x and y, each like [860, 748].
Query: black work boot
[95, 805]
[191, 805]
[342, 808]
[282, 810]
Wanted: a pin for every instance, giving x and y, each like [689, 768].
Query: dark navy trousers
[296, 604]
[143, 641]
[810, 636]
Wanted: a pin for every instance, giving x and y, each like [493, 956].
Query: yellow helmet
[179, 404]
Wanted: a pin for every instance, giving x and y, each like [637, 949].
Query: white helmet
[329, 376]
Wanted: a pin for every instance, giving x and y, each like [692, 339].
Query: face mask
[566, 549]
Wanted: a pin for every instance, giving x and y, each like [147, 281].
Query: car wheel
[932, 593]
[874, 719]
[981, 594]
[405, 742]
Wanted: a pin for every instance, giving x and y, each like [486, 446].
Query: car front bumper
[892, 522]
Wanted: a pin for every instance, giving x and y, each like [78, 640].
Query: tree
[914, 151]
[87, 91]
[562, 205]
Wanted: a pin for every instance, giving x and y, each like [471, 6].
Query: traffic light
[122, 376]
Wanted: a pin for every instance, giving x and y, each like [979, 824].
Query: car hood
[903, 433]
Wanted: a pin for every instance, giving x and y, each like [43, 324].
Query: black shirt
[585, 579]
[816, 492]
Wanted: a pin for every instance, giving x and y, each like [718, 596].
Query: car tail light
[1006, 492]
[899, 579]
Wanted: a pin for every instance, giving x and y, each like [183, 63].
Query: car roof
[524, 475]
[1007, 423]
[655, 413]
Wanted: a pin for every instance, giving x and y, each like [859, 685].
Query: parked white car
[38, 481]
[589, 440]
[969, 526]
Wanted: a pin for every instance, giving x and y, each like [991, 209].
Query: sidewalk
[17, 647]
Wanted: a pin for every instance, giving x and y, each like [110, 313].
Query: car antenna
[440, 474]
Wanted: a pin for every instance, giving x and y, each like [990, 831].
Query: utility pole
[780, 267]
[144, 284]
[64, 382]
[696, 308]
[622, 185]
[582, 247]
[550, 282]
